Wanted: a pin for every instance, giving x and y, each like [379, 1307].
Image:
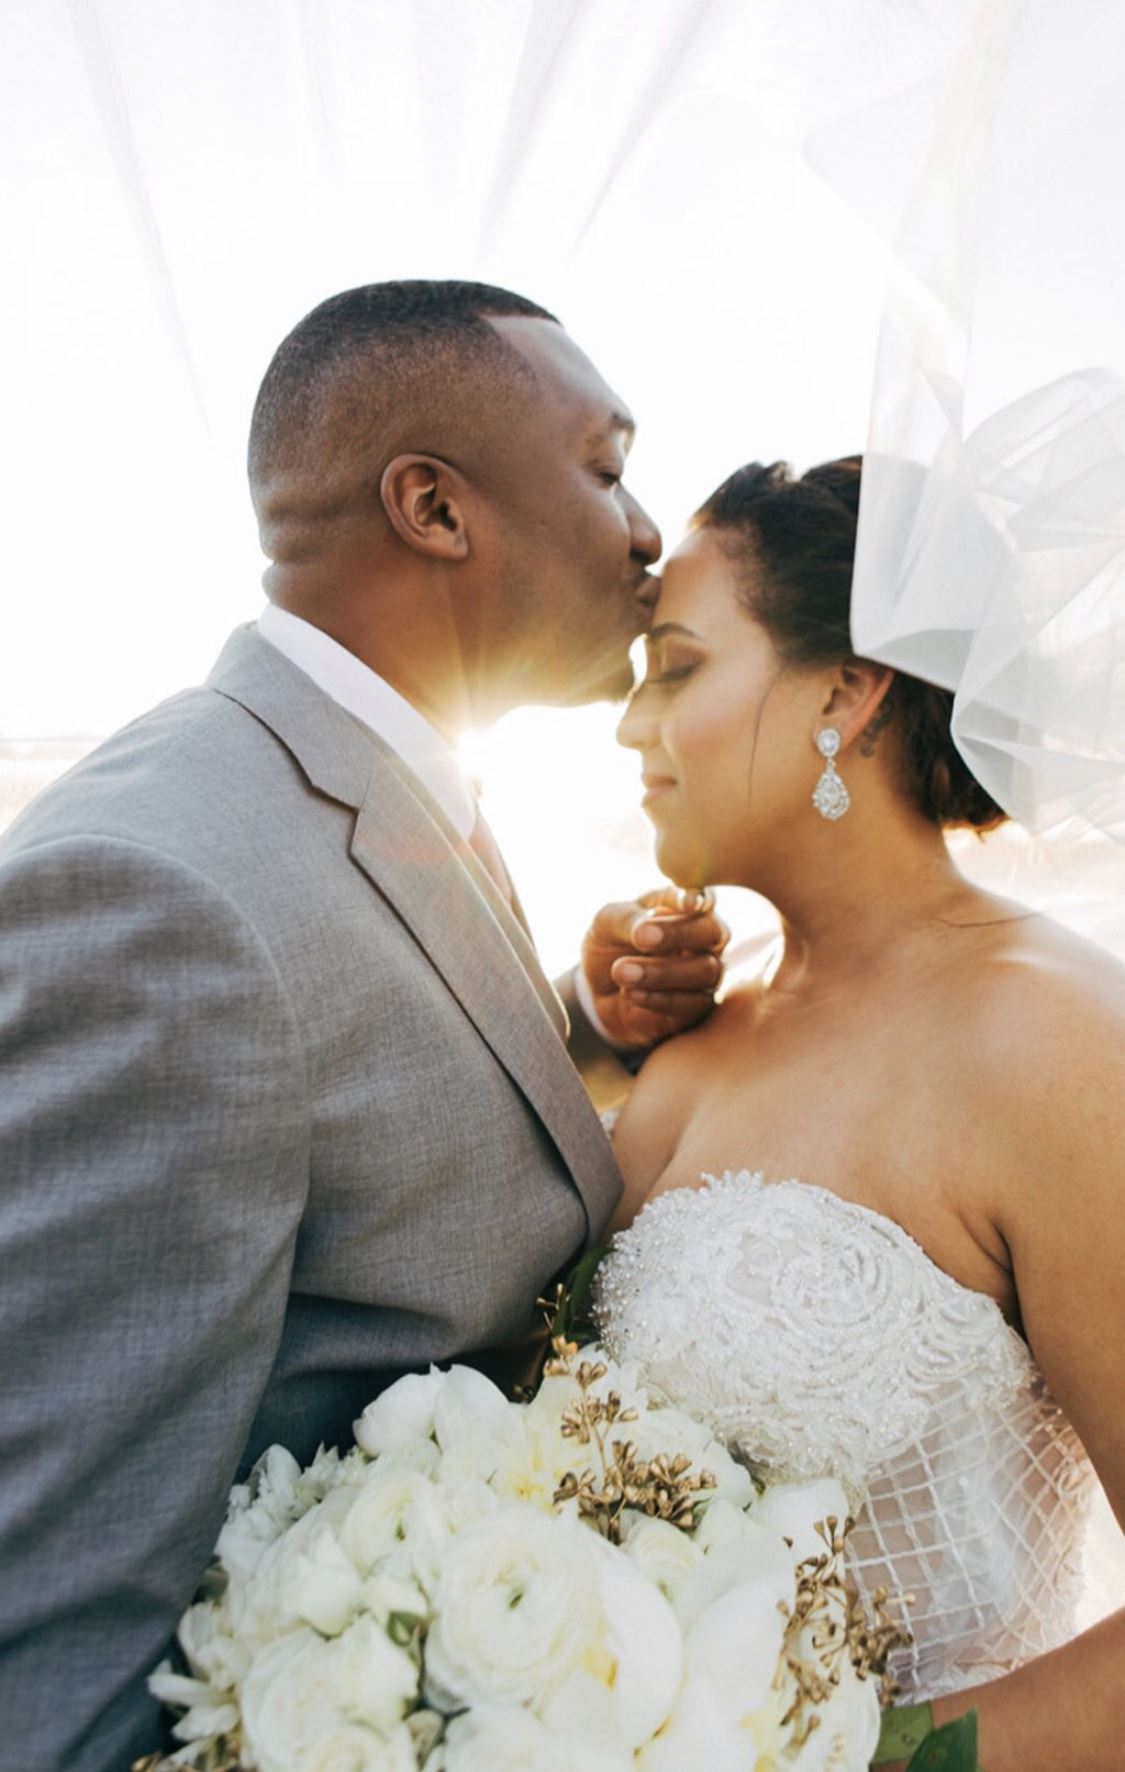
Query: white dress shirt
[370, 699]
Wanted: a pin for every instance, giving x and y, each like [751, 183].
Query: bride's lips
[654, 786]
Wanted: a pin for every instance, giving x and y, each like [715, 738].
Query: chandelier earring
[830, 795]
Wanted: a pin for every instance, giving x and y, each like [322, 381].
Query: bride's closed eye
[671, 674]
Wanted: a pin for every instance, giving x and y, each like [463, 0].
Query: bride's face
[723, 727]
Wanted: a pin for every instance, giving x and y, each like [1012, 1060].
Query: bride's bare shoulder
[1046, 1032]
[1044, 971]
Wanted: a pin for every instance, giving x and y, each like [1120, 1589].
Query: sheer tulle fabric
[818, 1337]
[991, 554]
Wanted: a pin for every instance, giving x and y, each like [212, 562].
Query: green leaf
[952, 1748]
[571, 1318]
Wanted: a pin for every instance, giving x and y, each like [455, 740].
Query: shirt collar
[370, 699]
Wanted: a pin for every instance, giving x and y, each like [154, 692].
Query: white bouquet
[586, 1582]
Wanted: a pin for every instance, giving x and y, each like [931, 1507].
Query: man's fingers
[683, 973]
[633, 925]
[701, 934]
[676, 1010]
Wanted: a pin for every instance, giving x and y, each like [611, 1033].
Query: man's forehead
[568, 375]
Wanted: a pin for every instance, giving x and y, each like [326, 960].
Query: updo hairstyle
[801, 536]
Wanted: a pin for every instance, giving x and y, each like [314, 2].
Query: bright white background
[185, 178]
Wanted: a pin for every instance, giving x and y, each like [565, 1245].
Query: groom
[287, 1107]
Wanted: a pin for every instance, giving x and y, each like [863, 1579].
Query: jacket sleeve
[154, 1154]
[607, 1073]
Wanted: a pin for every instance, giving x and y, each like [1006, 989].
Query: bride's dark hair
[801, 535]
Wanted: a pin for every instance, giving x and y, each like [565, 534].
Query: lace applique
[816, 1337]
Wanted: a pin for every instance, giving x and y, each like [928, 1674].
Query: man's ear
[424, 502]
[854, 697]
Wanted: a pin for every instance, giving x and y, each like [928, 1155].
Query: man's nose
[647, 541]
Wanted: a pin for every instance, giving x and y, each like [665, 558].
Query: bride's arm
[1062, 1077]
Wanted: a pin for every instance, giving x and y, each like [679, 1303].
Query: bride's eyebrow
[664, 628]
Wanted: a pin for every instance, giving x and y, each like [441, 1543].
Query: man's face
[571, 546]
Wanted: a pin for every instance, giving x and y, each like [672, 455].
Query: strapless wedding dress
[817, 1338]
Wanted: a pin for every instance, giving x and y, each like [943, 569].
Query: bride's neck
[876, 903]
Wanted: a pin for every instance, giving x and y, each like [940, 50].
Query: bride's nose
[635, 728]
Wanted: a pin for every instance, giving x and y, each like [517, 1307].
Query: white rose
[503, 1738]
[352, 1748]
[402, 1415]
[662, 1553]
[301, 1690]
[793, 1510]
[516, 1607]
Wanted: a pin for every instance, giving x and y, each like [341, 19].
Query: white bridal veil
[992, 546]
[710, 192]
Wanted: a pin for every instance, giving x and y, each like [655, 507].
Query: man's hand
[653, 965]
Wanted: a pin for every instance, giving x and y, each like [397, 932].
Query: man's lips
[648, 590]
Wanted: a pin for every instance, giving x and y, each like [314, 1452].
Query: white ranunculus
[301, 1690]
[473, 1423]
[848, 1732]
[504, 1738]
[397, 1514]
[386, 1596]
[793, 1510]
[213, 1652]
[427, 1728]
[352, 1748]
[260, 1510]
[464, 1502]
[320, 1585]
[533, 1456]
[207, 1712]
[516, 1606]
[662, 1553]
[402, 1415]
[756, 1555]
[627, 1678]
[721, 1522]
[728, 1709]
[301, 1578]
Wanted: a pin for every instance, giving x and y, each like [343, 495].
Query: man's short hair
[369, 366]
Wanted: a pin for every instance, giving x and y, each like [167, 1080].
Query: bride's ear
[854, 697]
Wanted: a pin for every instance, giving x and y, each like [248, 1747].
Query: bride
[873, 1216]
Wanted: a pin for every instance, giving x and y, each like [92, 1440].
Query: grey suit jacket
[285, 1109]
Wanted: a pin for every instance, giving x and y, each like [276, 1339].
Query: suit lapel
[438, 889]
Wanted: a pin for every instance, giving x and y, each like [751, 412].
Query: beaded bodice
[818, 1338]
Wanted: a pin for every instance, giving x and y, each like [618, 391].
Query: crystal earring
[830, 796]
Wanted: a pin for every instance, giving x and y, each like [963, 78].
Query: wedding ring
[694, 900]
